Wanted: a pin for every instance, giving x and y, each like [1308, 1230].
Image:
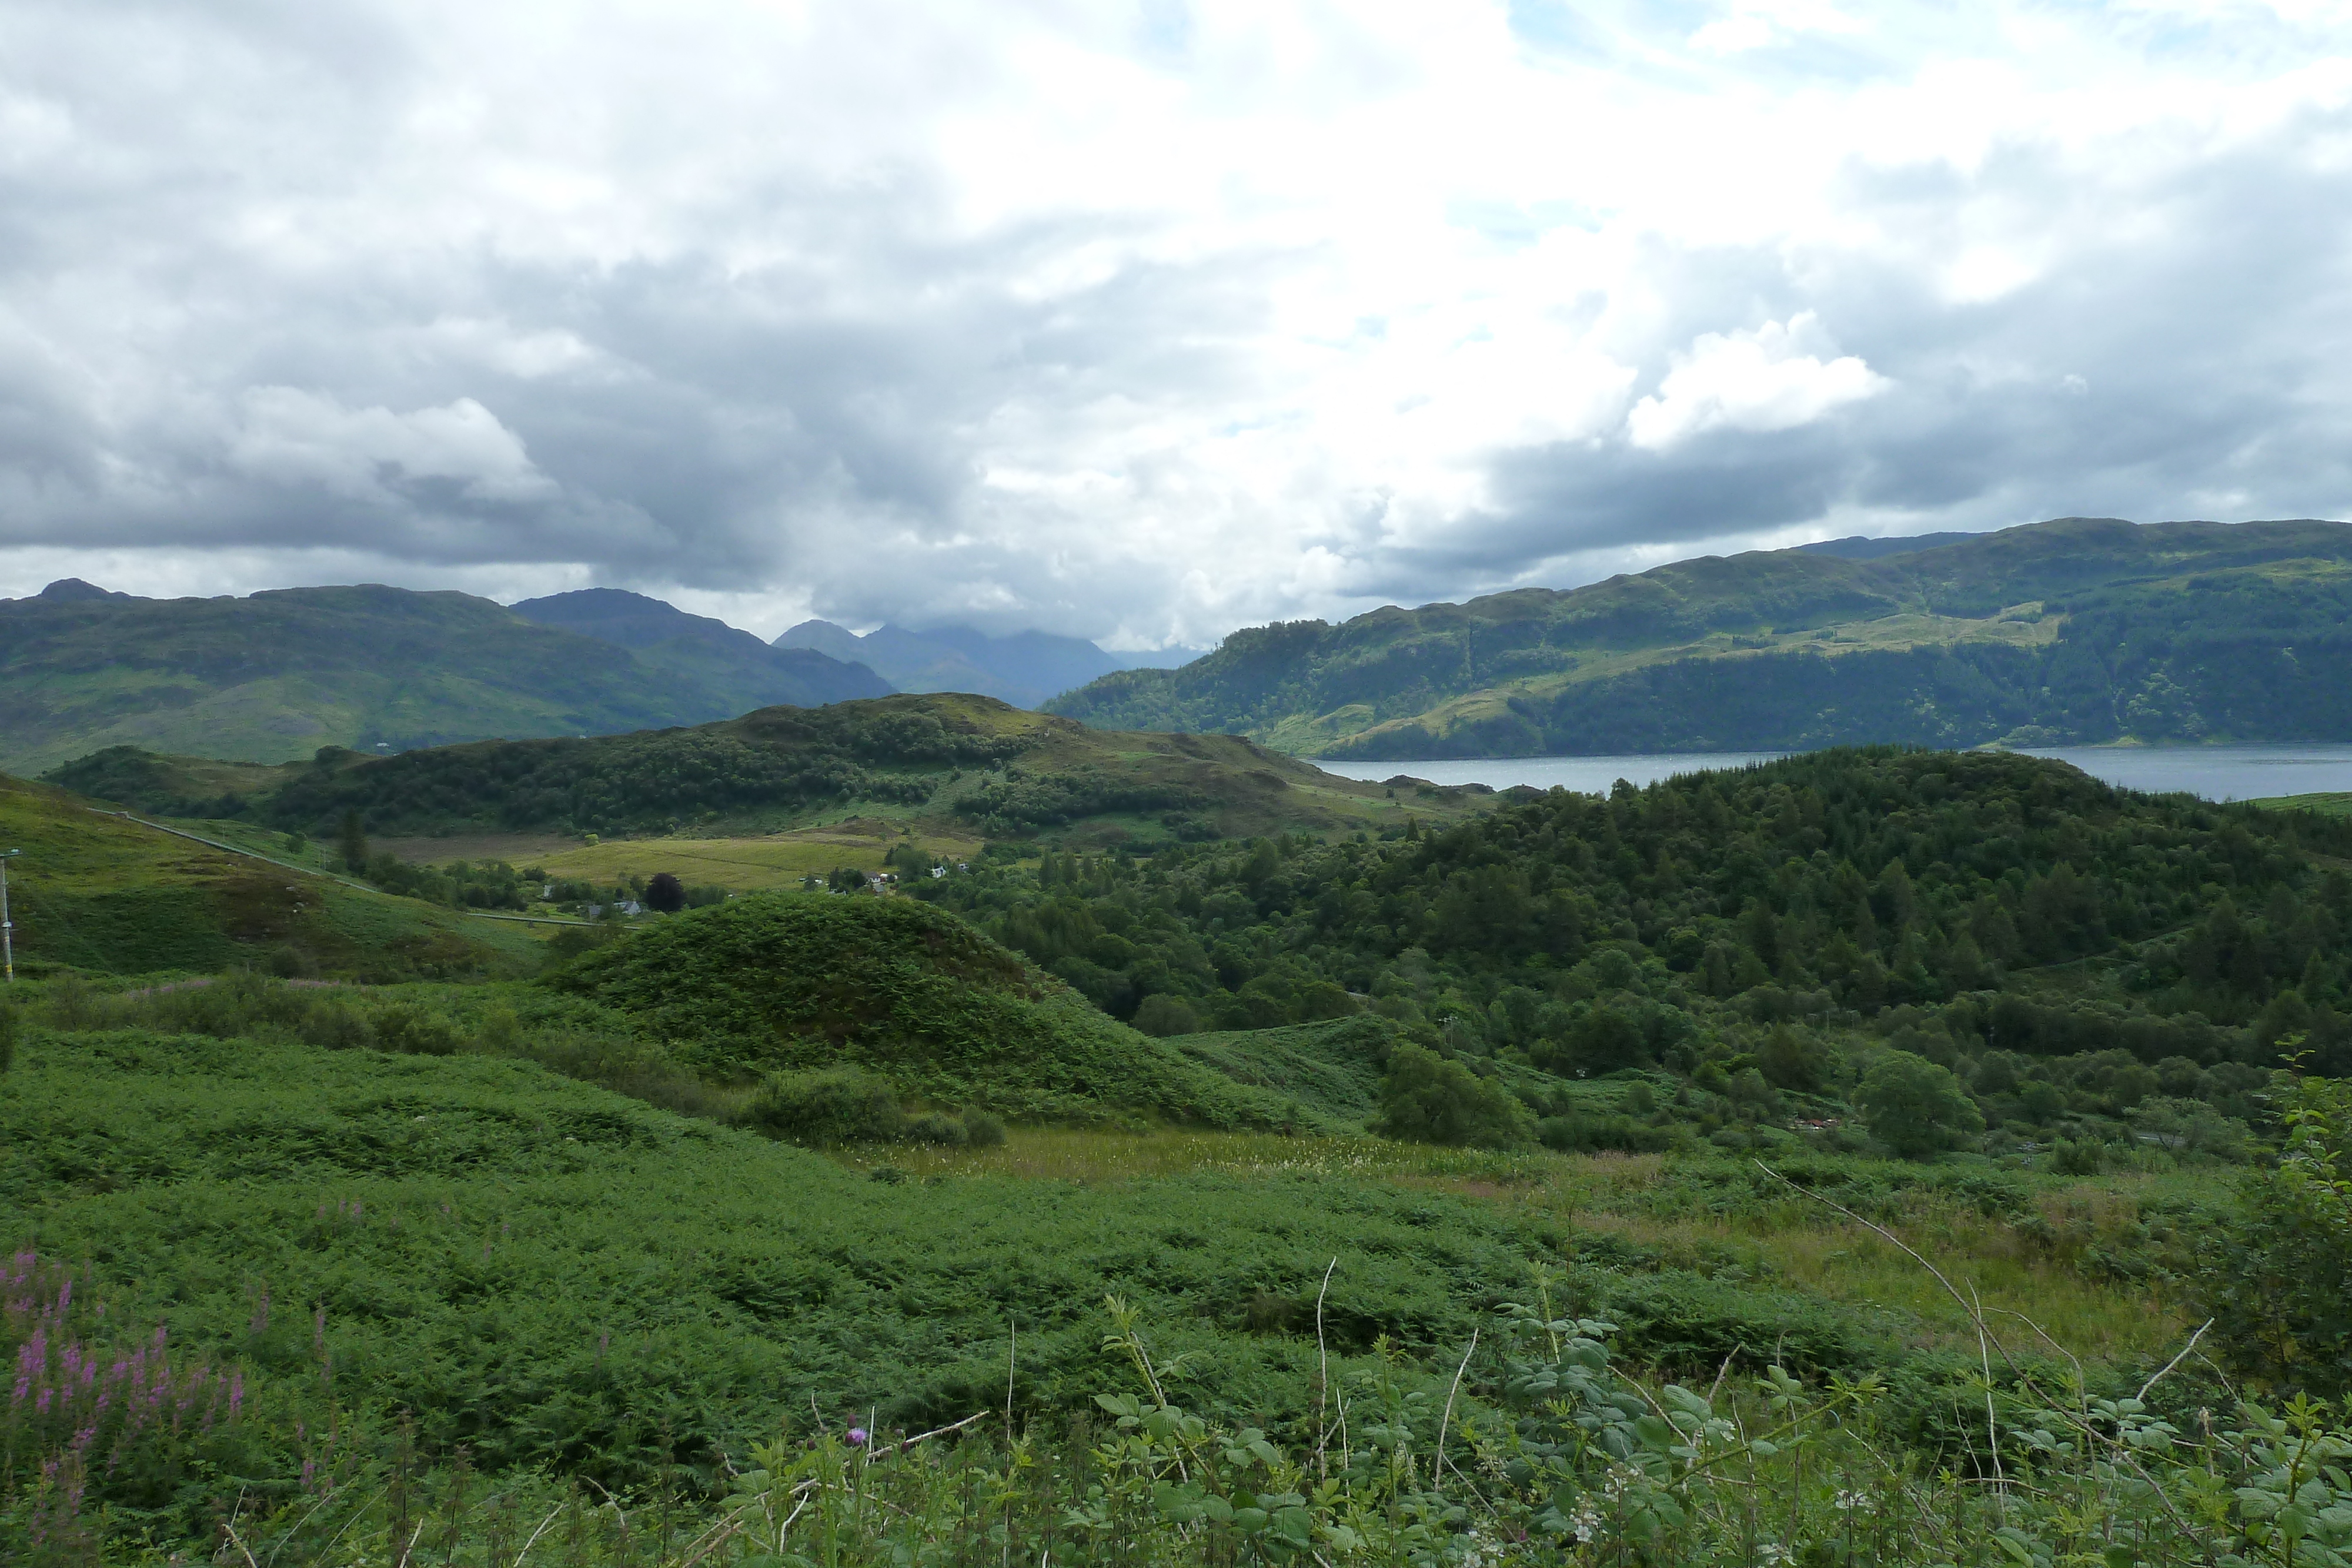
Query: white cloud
[295, 437]
[1756, 381]
[913, 308]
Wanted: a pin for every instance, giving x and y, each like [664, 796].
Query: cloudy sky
[1142, 320]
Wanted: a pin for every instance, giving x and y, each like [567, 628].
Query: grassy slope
[552, 1274]
[97, 892]
[1792, 648]
[2326, 803]
[1333, 1068]
[275, 677]
[806, 980]
[837, 783]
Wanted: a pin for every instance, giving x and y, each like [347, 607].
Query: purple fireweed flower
[235, 1391]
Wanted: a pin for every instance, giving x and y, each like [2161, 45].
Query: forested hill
[276, 675]
[964, 764]
[2077, 631]
[1987, 911]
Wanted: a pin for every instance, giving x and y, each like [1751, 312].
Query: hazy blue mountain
[738, 670]
[2082, 630]
[1023, 669]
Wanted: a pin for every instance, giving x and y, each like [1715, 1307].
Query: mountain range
[274, 676]
[2079, 629]
[1023, 669]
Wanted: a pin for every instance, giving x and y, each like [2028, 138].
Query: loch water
[2216, 773]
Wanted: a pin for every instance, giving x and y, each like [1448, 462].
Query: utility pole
[7, 927]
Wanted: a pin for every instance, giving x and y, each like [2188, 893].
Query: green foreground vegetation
[1884, 1156]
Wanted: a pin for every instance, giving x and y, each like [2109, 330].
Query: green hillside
[2072, 632]
[805, 981]
[275, 677]
[964, 766]
[94, 893]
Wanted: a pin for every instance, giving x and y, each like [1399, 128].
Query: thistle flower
[857, 1436]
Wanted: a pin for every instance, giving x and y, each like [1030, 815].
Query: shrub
[403, 1028]
[829, 1105]
[2278, 1281]
[2078, 1156]
[982, 1130]
[1576, 1133]
[1426, 1099]
[936, 1127]
[1914, 1107]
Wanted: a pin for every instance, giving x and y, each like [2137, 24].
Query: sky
[1148, 319]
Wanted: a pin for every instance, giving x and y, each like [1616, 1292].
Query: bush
[403, 1028]
[2278, 1281]
[1426, 1099]
[1914, 1107]
[936, 1127]
[1576, 1133]
[982, 1130]
[830, 1105]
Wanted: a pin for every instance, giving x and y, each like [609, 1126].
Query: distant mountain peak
[69, 590]
[1024, 668]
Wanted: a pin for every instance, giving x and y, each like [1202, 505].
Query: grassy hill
[2077, 631]
[276, 675]
[94, 893]
[958, 767]
[804, 980]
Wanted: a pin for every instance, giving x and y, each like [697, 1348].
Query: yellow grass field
[741, 865]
